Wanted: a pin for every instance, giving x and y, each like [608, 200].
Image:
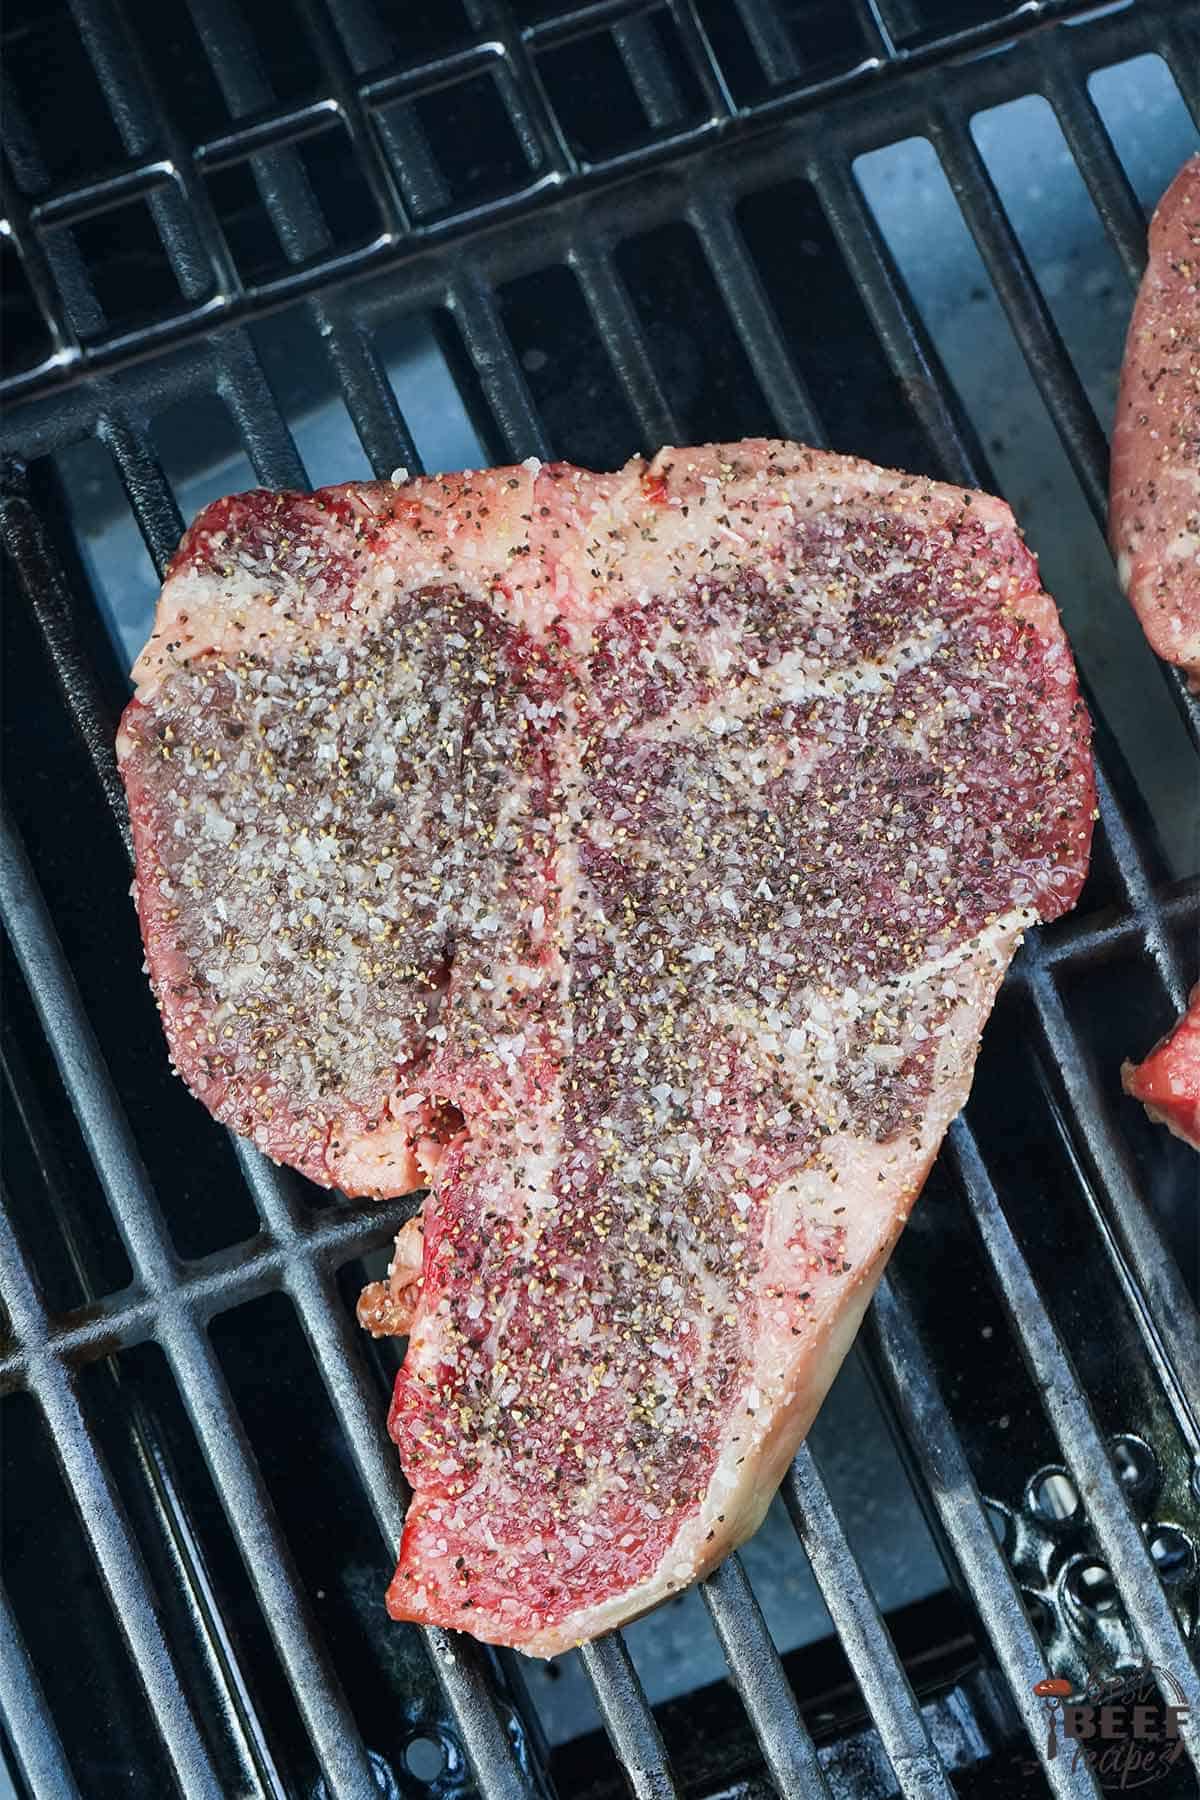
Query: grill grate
[565, 206]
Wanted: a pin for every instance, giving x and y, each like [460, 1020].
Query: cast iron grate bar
[1118, 1533]
[770, 39]
[1017, 289]
[215, 1644]
[951, 1485]
[278, 171]
[265, 433]
[877, 28]
[1094, 938]
[147, 489]
[627, 1717]
[1096, 158]
[76, 311]
[37, 266]
[753, 318]
[1137, 886]
[761, 1682]
[380, 178]
[530, 113]
[368, 393]
[366, 45]
[896, 323]
[181, 210]
[109, 1534]
[705, 63]
[215, 1283]
[40, 574]
[292, 208]
[473, 307]
[1179, 40]
[1167, 1309]
[616, 322]
[918, 1768]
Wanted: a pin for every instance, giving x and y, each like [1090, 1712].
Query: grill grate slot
[965, 1520]
[565, 210]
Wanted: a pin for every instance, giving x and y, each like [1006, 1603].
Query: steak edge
[1154, 494]
[637, 857]
[1167, 1081]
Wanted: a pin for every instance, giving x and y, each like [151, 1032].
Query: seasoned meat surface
[636, 857]
[1154, 506]
[1167, 1081]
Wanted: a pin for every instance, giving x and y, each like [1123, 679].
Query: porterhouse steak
[1154, 496]
[635, 857]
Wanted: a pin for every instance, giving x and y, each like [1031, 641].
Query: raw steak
[1154, 503]
[1167, 1082]
[637, 855]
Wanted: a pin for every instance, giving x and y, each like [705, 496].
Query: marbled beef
[1154, 501]
[636, 857]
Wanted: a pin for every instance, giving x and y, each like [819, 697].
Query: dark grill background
[200, 1503]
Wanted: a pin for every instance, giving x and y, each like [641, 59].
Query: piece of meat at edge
[1167, 1081]
[738, 478]
[1154, 490]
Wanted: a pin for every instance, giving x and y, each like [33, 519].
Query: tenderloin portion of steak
[337, 776]
[659, 928]
[1154, 502]
[1167, 1082]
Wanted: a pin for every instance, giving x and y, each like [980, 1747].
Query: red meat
[638, 856]
[1154, 503]
[1167, 1082]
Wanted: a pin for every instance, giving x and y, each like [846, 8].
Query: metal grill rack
[731, 107]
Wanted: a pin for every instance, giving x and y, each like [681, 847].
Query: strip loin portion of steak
[638, 855]
[1154, 500]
